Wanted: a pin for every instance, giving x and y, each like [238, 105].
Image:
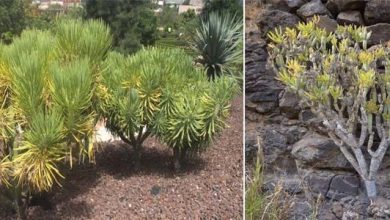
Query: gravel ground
[208, 187]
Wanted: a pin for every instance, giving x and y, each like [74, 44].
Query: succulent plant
[159, 92]
[48, 82]
[345, 84]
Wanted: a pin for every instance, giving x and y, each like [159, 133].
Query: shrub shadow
[116, 159]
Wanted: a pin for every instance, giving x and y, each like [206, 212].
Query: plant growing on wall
[159, 92]
[47, 89]
[345, 83]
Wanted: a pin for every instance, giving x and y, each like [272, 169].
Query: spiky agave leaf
[35, 161]
[217, 41]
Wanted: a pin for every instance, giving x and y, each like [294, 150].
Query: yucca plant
[151, 93]
[217, 43]
[346, 85]
[48, 88]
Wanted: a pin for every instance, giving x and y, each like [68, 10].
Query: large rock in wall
[289, 136]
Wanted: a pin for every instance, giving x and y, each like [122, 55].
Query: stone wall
[294, 146]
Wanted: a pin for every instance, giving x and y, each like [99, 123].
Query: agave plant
[217, 42]
[48, 87]
[151, 93]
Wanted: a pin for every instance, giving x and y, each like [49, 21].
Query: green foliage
[132, 22]
[344, 82]
[12, 19]
[233, 7]
[77, 39]
[254, 198]
[274, 205]
[47, 82]
[217, 41]
[182, 26]
[147, 96]
[169, 17]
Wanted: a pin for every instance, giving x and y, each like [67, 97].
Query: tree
[47, 90]
[233, 7]
[151, 93]
[169, 17]
[12, 19]
[132, 22]
[217, 41]
[341, 80]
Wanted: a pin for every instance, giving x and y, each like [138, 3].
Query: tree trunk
[137, 155]
[20, 204]
[370, 188]
[183, 155]
[177, 159]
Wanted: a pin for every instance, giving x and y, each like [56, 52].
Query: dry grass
[252, 9]
[274, 205]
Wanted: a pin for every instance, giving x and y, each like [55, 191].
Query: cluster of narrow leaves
[218, 41]
[47, 82]
[345, 83]
[159, 92]
[335, 71]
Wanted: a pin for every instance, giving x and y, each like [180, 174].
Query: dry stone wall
[294, 145]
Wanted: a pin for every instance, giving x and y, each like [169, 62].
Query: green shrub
[345, 83]
[159, 92]
[48, 83]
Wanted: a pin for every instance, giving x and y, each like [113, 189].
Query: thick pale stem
[361, 161]
[370, 188]
[377, 158]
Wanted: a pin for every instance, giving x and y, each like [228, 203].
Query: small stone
[380, 33]
[268, 20]
[315, 7]
[327, 23]
[155, 190]
[350, 17]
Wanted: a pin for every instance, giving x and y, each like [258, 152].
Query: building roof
[184, 8]
[174, 2]
[196, 2]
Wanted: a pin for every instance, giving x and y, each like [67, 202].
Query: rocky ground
[297, 152]
[209, 187]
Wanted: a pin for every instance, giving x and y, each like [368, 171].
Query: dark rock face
[380, 33]
[342, 186]
[286, 5]
[315, 7]
[289, 105]
[274, 143]
[327, 23]
[377, 11]
[333, 185]
[350, 17]
[270, 19]
[343, 5]
[261, 89]
[317, 151]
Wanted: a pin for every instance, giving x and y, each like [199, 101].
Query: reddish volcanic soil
[209, 187]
